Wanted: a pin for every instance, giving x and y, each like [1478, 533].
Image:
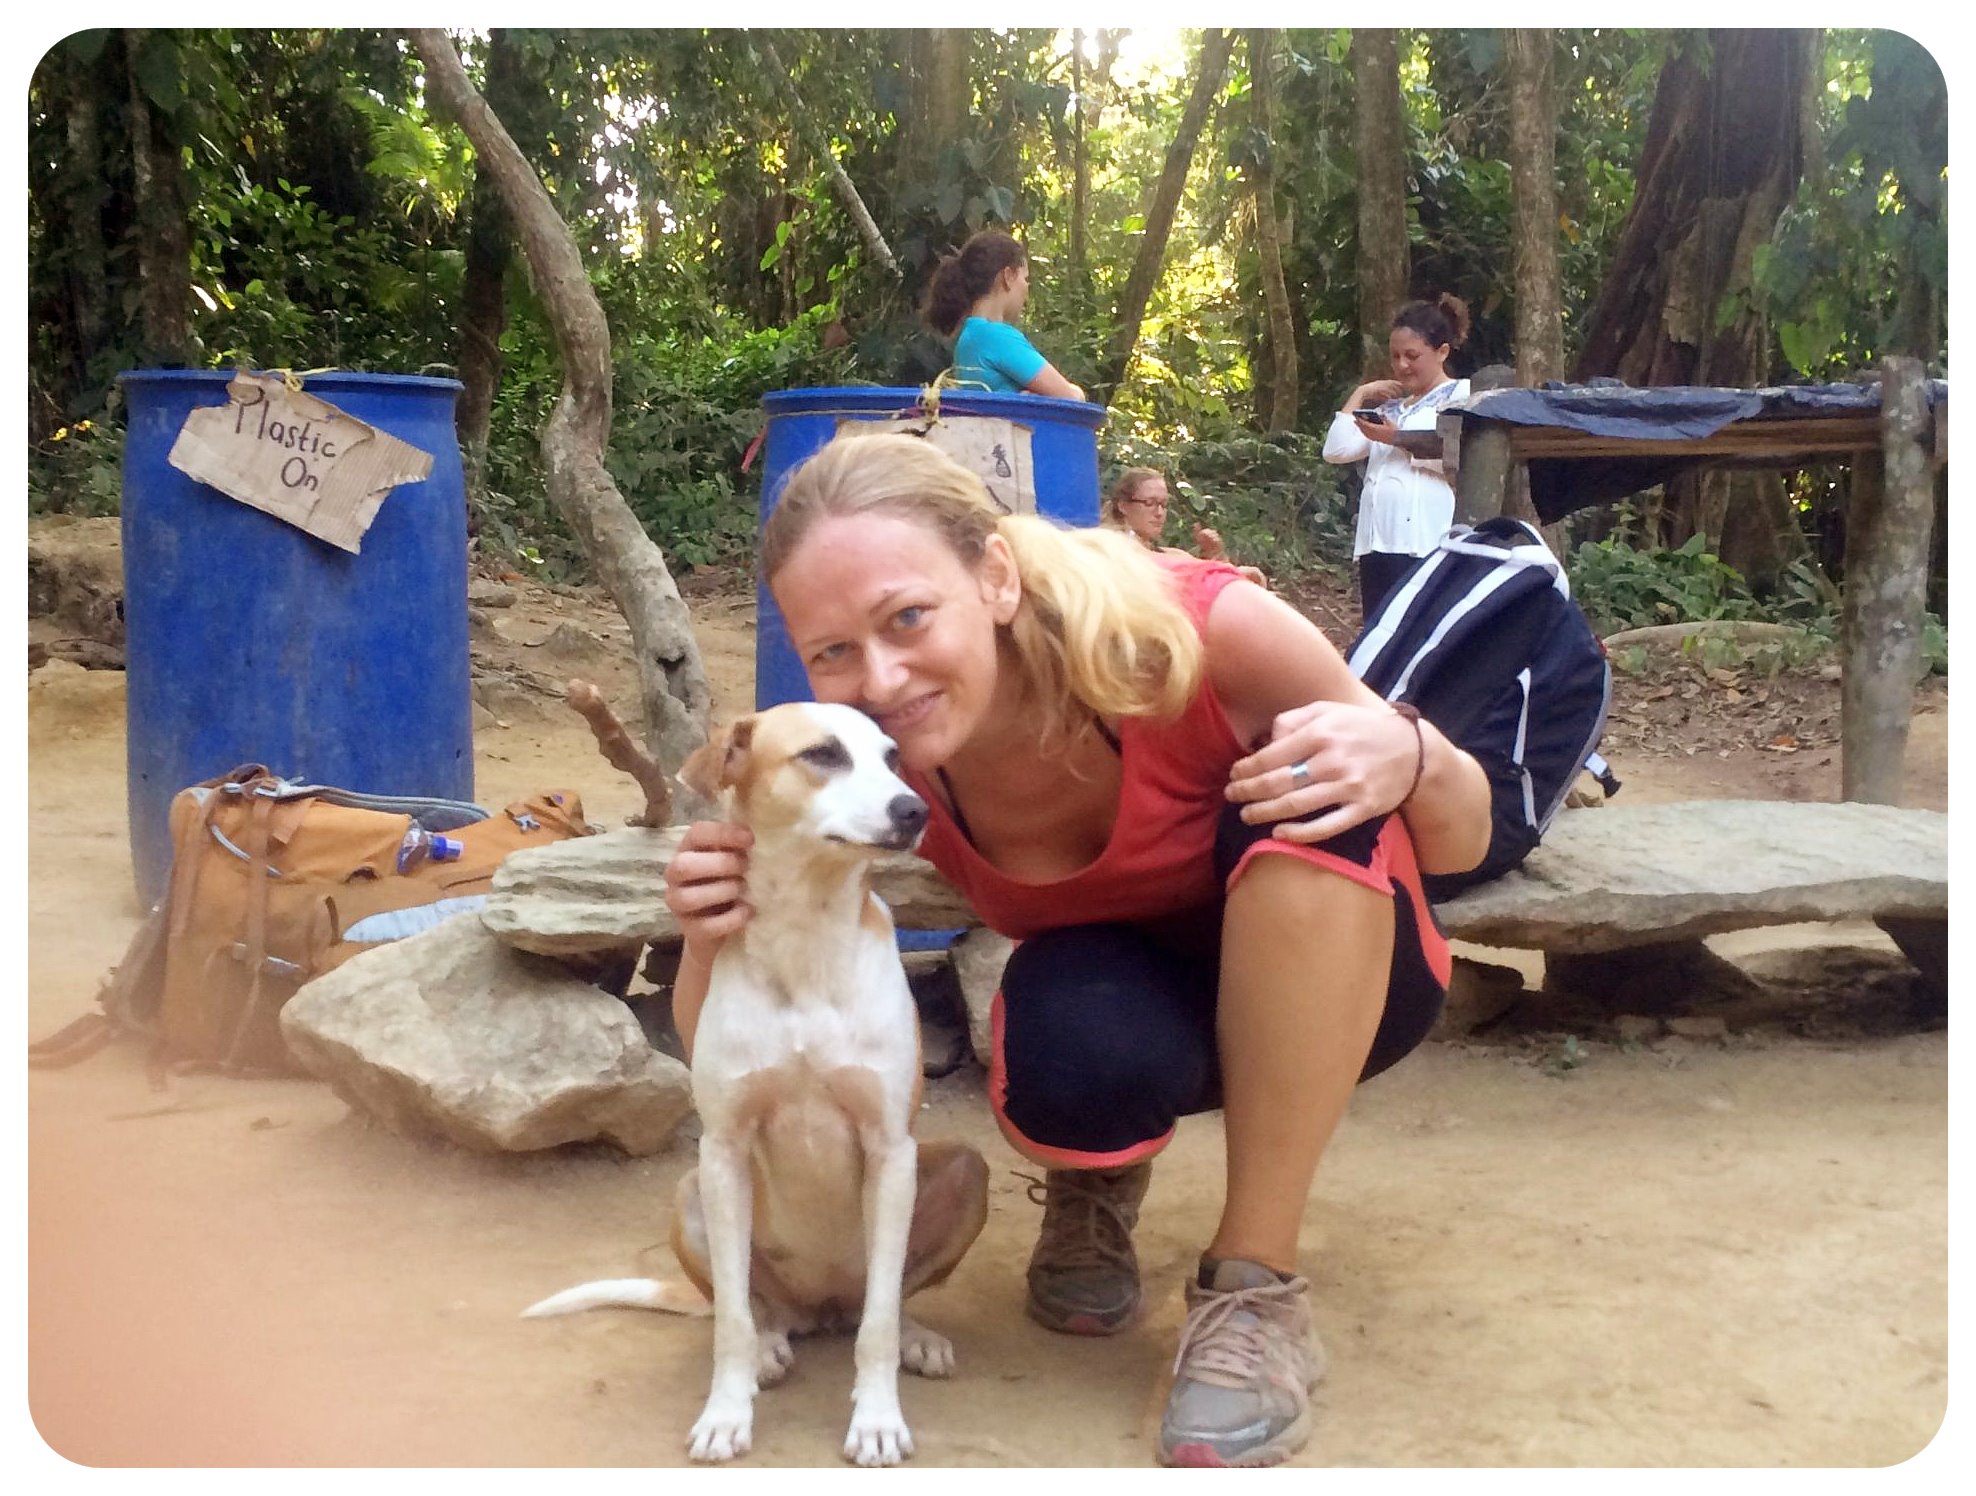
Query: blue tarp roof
[1669, 413]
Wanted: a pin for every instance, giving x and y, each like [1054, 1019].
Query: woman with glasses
[1138, 503]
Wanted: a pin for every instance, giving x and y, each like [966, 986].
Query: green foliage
[1935, 644]
[1621, 588]
[684, 412]
[1858, 265]
[330, 215]
[426, 166]
[286, 284]
[960, 199]
[78, 470]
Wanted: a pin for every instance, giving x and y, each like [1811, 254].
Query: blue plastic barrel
[251, 641]
[1063, 455]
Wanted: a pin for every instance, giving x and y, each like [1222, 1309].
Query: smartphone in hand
[1371, 413]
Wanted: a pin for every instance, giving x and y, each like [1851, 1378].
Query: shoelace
[1225, 1347]
[1095, 1235]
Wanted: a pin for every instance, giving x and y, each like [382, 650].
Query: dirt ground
[1723, 1253]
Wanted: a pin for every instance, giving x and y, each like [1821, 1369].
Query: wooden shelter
[1588, 444]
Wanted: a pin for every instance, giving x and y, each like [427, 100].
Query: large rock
[452, 1034]
[1625, 875]
[605, 892]
[1479, 992]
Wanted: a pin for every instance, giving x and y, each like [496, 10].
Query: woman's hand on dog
[706, 882]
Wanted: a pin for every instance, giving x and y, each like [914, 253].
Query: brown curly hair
[1440, 323]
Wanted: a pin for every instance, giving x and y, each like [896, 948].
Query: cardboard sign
[995, 449]
[296, 457]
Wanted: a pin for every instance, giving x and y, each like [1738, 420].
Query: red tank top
[1160, 858]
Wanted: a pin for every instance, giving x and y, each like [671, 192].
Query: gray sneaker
[1244, 1372]
[1084, 1275]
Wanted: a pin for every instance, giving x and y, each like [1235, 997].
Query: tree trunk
[483, 297]
[67, 189]
[1533, 225]
[673, 678]
[164, 239]
[1722, 159]
[1533, 234]
[1213, 66]
[1282, 412]
[1887, 545]
[1080, 173]
[1384, 259]
[82, 214]
[938, 97]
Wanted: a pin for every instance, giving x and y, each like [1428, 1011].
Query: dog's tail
[670, 1295]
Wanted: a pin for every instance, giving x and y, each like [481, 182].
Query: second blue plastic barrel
[251, 641]
[1063, 457]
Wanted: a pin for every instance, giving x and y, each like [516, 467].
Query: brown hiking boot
[1248, 1359]
[1083, 1275]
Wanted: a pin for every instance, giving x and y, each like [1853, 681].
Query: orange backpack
[273, 883]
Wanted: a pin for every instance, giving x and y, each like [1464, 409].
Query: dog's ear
[711, 768]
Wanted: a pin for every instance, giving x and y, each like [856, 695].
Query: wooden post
[1888, 521]
[1448, 427]
[1482, 486]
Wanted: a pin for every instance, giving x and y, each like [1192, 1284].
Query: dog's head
[808, 770]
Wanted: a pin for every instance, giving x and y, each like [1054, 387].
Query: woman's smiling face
[1416, 364]
[886, 617]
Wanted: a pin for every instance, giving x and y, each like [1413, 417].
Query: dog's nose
[907, 814]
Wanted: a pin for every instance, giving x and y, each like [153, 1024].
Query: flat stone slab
[606, 892]
[1620, 876]
[1605, 879]
[601, 892]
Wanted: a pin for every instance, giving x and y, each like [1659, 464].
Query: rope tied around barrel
[293, 381]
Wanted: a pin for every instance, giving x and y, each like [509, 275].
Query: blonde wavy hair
[1099, 631]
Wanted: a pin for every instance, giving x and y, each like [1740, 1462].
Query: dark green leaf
[86, 46]
[159, 70]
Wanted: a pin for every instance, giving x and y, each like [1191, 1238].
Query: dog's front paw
[925, 1351]
[725, 1429]
[878, 1435]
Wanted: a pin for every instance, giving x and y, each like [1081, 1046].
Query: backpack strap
[259, 820]
[73, 1043]
[1599, 769]
[185, 864]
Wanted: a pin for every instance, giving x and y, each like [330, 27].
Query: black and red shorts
[1105, 1033]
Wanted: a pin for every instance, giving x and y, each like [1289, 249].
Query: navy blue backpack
[1483, 637]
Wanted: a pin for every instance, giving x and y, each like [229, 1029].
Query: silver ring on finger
[1300, 773]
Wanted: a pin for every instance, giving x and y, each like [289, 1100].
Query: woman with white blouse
[1406, 504]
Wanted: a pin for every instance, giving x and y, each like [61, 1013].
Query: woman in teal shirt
[978, 294]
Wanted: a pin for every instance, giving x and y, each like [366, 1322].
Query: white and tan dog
[813, 1207]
